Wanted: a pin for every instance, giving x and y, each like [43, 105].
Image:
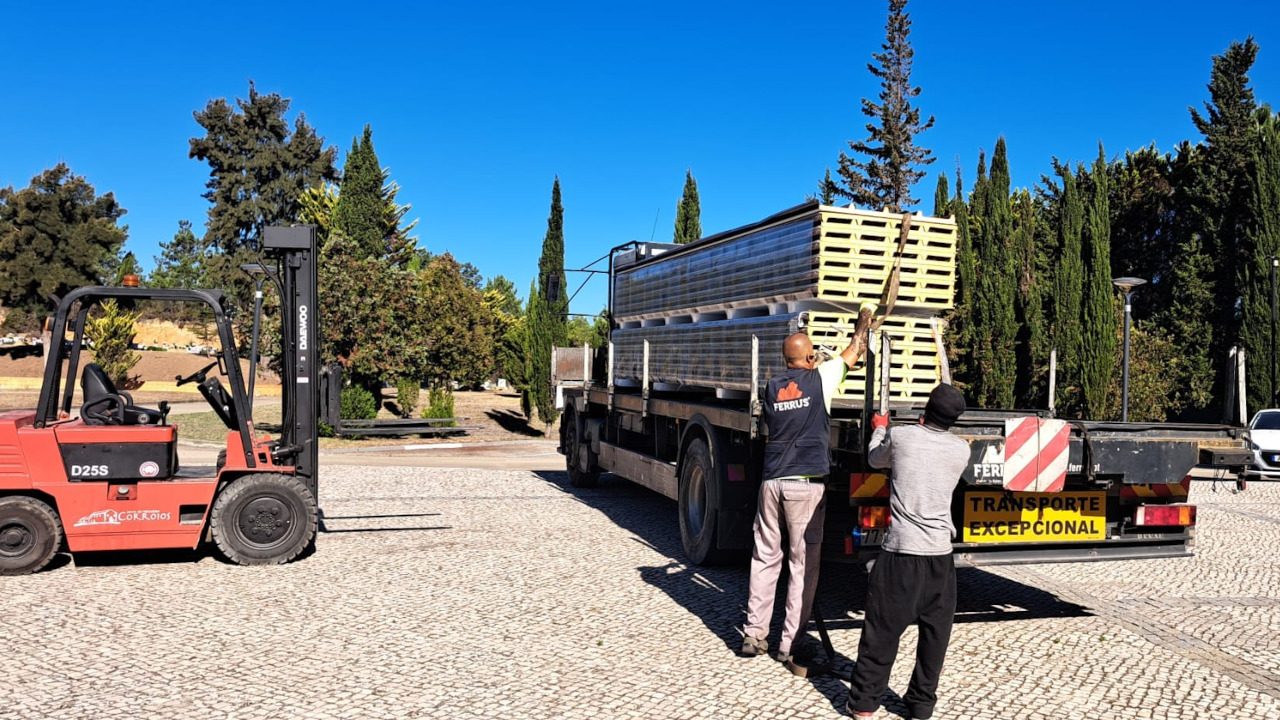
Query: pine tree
[688, 213]
[1068, 285]
[996, 291]
[1098, 317]
[55, 235]
[941, 197]
[547, 315]
[181, 261]
[1262, 238]
[258, 166]
[886, 178]
[827, 190]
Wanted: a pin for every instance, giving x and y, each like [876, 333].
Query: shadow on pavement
[717, 595]
[513, 422]
[114, 558]
[324, 524]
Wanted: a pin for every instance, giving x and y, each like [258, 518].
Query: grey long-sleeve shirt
[926, 464]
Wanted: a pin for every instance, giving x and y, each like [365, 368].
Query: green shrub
[407, 396]
[440, 405]
[358, 403]
[110, 331]
[20, 321]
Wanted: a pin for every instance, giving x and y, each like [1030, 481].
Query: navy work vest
[799, 427]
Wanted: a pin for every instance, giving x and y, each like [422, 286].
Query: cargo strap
[808, 671]
[890, 295]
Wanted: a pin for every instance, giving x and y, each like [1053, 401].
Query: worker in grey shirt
[914, 579]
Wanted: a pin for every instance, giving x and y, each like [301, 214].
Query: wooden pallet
[915, 367]
[856, 250]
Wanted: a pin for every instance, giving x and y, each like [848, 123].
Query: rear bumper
[974, 555]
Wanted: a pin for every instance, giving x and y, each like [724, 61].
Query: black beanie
[946, 403]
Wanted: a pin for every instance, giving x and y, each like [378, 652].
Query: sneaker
[752, 646]
[854, 712]
[919, 713]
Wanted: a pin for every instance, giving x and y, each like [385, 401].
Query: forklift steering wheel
[197, 376]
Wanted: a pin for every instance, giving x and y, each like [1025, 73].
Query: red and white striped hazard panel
[1035, 454]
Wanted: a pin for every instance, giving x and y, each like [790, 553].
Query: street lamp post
[1126, 285]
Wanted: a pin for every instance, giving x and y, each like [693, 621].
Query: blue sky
[475, 108]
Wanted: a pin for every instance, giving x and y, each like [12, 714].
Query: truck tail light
[873, 517]
[1166, 515]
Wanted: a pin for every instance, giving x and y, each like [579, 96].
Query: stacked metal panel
[806, 268]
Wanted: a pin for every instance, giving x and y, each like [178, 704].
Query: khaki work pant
[799, 508]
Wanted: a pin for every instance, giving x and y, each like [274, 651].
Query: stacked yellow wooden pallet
[810, 265]
[856, 250]
[915, 367]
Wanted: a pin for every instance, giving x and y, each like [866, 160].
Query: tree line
[1034, 270]
[392, 313]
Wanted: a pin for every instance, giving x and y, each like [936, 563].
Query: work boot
[752, 646]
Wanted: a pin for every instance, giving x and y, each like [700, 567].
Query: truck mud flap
[734, 529]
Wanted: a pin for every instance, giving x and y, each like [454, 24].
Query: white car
[1264, 435]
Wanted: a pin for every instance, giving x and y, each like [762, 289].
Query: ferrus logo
[117, 517]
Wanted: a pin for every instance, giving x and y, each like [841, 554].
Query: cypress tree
[1219, 191]
[1032, 337]
[960, 325]
[547, 317]
[885, 179]
[994, 304]
[1188, 313]
[357, 213]
[1098, 317]
[941, 197]
[366, 212]
[1262, 238]
[1068, 284]
[688, 212]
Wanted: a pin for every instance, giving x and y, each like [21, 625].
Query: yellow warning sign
[996, 517]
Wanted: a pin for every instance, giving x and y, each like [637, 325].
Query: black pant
[905, 589]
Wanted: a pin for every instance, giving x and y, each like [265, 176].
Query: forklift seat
[104, 405]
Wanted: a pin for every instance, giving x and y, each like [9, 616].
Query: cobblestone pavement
[486, 594]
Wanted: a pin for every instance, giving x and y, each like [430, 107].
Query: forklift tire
[30, 535]
[697, 501]
[578, 477]
[263, 519]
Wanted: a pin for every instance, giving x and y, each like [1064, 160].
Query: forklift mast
[295, 248]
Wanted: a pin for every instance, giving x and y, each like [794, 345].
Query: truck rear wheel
[574, 447]
[30, 535]
[698, 499]
[263, 519]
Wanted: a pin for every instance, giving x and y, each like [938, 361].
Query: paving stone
[483, 594]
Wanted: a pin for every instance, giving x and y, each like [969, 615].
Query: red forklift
[109, 477]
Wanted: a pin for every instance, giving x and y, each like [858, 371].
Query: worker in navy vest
[797, 408]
